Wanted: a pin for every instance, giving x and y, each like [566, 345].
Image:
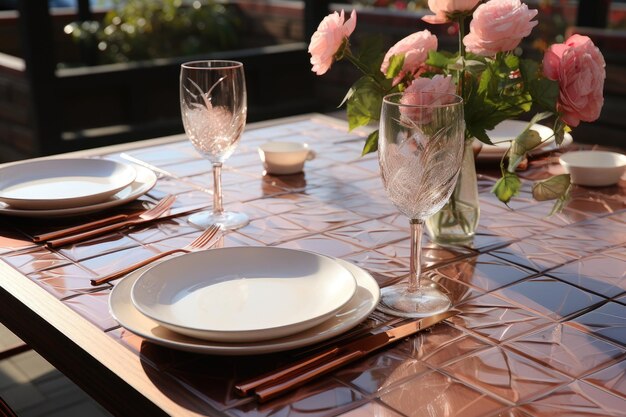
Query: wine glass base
[227, 220]
[426, 301]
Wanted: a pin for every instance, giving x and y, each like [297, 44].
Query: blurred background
[76, 74]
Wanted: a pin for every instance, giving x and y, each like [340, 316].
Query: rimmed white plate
[354, 312]
[243, 294]
[63, 183]
[508, 130]
[144, 181]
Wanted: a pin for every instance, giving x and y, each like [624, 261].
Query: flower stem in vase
[461, 84]
[456, 222]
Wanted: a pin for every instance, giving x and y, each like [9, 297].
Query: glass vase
[456, 222]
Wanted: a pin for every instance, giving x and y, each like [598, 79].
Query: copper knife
[277, 382]
[173, 212]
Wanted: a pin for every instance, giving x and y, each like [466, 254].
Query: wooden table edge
[30, 311]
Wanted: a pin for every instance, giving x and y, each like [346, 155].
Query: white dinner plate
[354, 312]
[243, 294]
[144, 181]
[62, 183]
[508, 130]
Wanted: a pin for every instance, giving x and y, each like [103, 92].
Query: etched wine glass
[213, 105]
[420, 149]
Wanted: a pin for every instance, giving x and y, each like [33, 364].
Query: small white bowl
[594, 168]
[282, 158]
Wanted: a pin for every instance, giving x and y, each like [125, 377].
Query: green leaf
[485, 115]
[512, 62]
[545, 93]
[530, 71]
[357, 115]
[395, 66]
[347, 96]
[477, 111]
[514, 105]
[559, 204]
[560, 128]
[371, 143]
[552, 188]
[479, 133]
[527, 140]
[440, 59]
[456, 64]
[488, 82]
[507, 187]
[539, 117]
[364, 104]
[558, 187]
[370, 53]
[475, 67]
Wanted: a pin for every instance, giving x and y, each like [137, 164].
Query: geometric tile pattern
[542, 323]
[568, 350]
[607, 321]
[508, 375]
[577, 399]
[549, 297]
[602, 274]
[612, 379]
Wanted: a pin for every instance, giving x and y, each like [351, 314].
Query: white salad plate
[144, 181]
[350, 315]
[243, 294]
[508, 130]
[62, 183]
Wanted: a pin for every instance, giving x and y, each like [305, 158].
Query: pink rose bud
[499, 26]
[579, 67]
[328, 38]
[415, 48]
[441, 9]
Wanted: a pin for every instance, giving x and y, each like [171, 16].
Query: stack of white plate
[64, 187]
[508, 130]
[244, 300]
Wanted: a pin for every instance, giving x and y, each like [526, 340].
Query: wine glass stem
[217, 188]
[416, 254]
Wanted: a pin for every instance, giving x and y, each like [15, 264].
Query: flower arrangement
[495, 83]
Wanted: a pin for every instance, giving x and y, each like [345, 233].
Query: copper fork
[201, 242]
[148, 215]
[83, 227]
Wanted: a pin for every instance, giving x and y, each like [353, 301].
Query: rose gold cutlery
[201, 242]
[158, 208]
[149, 215]
[80, 228]
[277, 382]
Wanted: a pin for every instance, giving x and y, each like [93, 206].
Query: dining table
[541, 299]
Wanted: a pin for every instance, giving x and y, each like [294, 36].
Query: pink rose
[415, 48]
[439, 84]
[498, 26]
[578, 66]
[426, 92]
[442, 8]
[328, 38]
